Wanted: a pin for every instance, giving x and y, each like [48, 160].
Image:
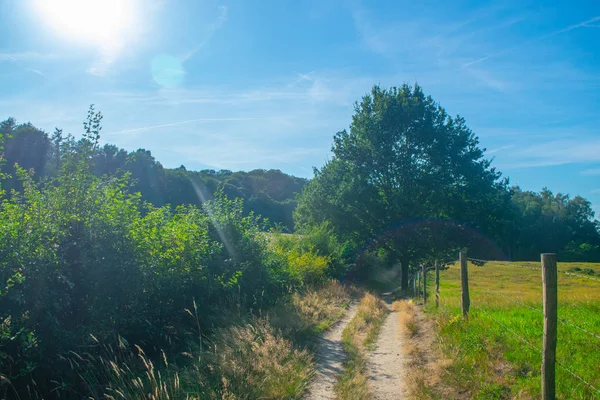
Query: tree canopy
[410, 178]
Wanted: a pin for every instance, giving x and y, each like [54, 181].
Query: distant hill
[269, 193]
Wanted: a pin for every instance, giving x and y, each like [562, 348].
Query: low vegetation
[86, 266]
[496, 353]
[425, 364]
[358, 337]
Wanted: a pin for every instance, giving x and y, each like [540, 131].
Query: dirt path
[387, 363]
[330, 356]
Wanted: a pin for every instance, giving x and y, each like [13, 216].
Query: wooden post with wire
[418, 288]
[464, 280]
[550, 289]
[437, 284]
[424, 284]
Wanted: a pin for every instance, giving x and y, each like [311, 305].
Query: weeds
[358, 336]
[251, 359]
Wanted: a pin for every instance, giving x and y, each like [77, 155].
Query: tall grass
[255, 357]
[359, 336]
[497, 352]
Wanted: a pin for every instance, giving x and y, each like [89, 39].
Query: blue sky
[265, 84]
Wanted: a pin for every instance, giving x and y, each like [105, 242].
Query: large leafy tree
[24, 145]
[405, 162]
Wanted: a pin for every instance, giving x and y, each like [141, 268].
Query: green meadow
[497, 351]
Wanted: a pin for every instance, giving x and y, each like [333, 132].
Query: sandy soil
[387, 363]
[330, 356]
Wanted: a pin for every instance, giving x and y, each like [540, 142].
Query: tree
[26, 146]
[403, 162]
[545, 222]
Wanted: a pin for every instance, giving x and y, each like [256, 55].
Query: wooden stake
[550, 289]
[464, 280]
[424, 284]
[437, 284]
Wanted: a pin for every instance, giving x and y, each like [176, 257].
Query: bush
[80, 255]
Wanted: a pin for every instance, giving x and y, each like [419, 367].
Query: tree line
[269, 193]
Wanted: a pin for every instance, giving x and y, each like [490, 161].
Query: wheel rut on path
[387, 363]
[330, 358]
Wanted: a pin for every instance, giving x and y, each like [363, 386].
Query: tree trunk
[404, 265]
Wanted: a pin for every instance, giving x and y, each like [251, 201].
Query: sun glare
[102, 23]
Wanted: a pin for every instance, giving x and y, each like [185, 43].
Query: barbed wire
[537, 309]
[512, 264]
[526, 341]
[580, 276]
[507, 263]
[578, 327]
[509, 298]
[517, 335]
[578, 377]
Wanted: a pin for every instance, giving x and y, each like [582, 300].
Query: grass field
[496, 354]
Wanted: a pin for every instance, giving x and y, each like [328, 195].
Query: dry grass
[312, 311]
[248, 360]
[406, 313]
[126, 373]
[255, 361]
[358, 336]
[425, 362]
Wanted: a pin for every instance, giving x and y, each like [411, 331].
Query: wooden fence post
[464, 280]
[550, 283]
[424, 284]
[437, 284]
[418, 284]
[414, 285]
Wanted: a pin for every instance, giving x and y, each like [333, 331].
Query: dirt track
[387, 362]
[330, 356]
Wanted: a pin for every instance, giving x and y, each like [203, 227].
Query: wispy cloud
[35, 71]
[212, 28]
[534, 40]
[498, 149]
[595, 191]
[170, 124]
[590, 172]
[558, 152]
[27, 56]
[228, 154]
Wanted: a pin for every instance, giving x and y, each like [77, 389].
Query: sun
[102, 23]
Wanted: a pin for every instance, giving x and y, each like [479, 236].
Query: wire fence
[565, 321]
[509, 264]
[515, 333]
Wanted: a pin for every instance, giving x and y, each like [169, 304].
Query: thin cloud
[212, 28]
[589, 172]
[559, 152]
[534, 40]
[189, 121]
[26, 56]
[595, 191]
[234, 154]
[501, 148]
